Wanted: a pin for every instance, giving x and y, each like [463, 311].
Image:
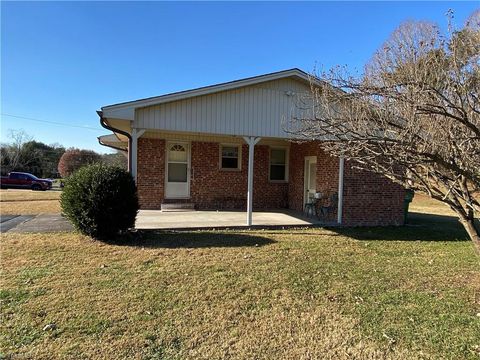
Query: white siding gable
[263, 110]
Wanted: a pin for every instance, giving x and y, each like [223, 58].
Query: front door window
[177, 163]
[178, 171]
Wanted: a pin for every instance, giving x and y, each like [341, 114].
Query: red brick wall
[266, 194]
[150, 172]
[370, 199]
[210, 187]
[213, 188]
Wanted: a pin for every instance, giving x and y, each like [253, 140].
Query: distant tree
[44, 158]
[118, 159]
[14, 154]
[73, 159]
[51, 159]
[25, 154]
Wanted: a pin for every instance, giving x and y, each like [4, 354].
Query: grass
[29, 202]
[28, 195]
[427, 205]
[369, 293]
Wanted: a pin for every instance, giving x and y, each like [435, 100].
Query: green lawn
[29, 202]
[375, 293]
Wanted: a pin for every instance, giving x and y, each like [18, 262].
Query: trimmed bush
[100, 201]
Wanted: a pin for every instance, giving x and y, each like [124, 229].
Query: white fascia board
[125, 113]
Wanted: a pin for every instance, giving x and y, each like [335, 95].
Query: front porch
[231, 173]
[195, 220]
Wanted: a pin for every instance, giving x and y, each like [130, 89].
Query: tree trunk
[472, 231]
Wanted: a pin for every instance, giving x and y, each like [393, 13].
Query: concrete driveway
[41, 223]
[156, 219]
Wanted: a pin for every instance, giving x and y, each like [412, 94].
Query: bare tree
[413, 116]
[13, 154]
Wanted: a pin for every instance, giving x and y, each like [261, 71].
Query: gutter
[104, 124]
[111, 146]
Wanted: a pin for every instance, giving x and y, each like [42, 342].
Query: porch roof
[113, 141]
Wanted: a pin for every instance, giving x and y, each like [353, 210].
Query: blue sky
[62, 61]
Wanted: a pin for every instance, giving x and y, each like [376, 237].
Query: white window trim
[287, 161]
[239, 167]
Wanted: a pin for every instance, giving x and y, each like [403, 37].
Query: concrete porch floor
[176, 220]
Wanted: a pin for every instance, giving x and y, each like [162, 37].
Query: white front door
[310, 178]
[177, 170]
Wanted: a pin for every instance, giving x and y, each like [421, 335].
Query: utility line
[51, 122]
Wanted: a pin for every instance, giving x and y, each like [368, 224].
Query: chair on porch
[328, 207]
[310, 209]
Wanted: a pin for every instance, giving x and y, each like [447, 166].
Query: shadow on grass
[420, 227]
[193, 240]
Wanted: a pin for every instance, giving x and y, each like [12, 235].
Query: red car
[19, 180]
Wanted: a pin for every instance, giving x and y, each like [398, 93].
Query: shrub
[100, 201]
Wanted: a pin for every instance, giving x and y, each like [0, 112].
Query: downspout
[129, 137]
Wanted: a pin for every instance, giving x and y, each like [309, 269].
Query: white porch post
[341, 169]
[251, 141]
[136, 133]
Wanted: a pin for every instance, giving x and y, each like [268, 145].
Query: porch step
[177, 206]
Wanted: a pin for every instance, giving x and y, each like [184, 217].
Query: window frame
[220, 157]
[287, 160]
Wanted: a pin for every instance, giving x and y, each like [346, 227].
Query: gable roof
[131, 105]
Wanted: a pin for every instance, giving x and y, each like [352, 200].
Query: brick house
[227, 146]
